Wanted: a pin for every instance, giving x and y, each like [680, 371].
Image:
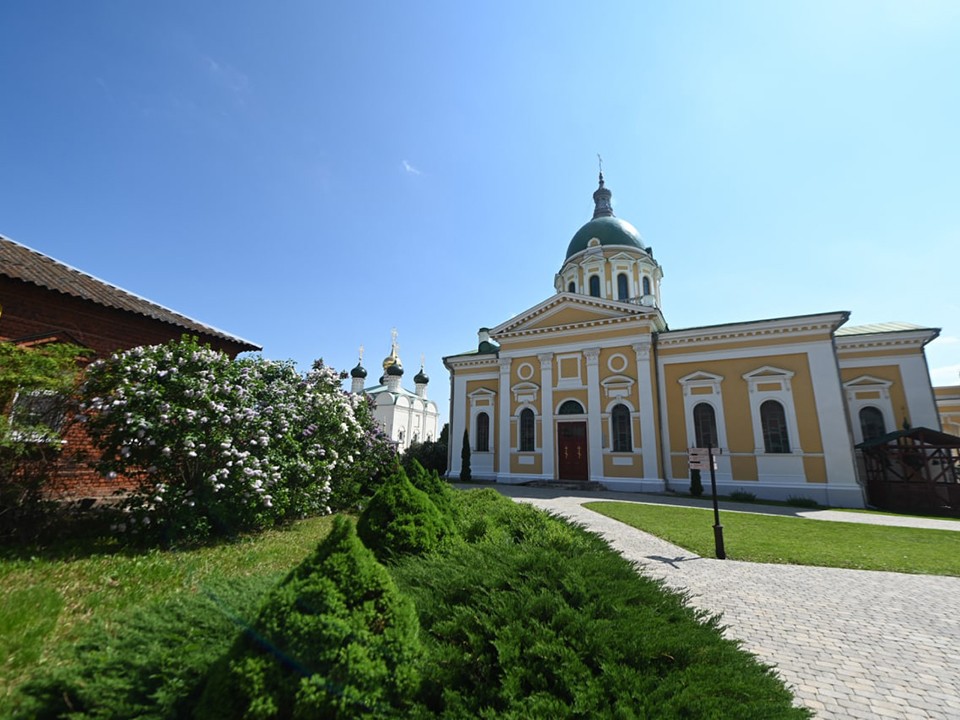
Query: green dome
[609, 230]
[358, 372]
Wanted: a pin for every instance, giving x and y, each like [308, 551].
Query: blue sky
[310, 175]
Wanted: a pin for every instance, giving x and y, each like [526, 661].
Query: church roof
[609, 231]
[604, 226]
[27, 265]
[880, 328]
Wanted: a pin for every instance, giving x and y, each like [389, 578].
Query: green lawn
[47, 600]
[800, 541]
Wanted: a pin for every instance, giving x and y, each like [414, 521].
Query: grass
[799, 541]
[521, 615]
[49, 598]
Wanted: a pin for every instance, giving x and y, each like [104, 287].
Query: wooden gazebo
[913, 470]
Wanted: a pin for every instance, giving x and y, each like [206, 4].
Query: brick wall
[29, 310]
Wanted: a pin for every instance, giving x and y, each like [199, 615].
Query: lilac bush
[215, 446]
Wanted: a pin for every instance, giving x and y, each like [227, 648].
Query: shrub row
[498, 611]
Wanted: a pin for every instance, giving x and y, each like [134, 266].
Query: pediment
[567, 310]
[768, 371]
[867, 381]
[700, 377]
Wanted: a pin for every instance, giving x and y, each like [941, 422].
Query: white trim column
[594, 420]
[503, 467]
[838, 454]
[648, 421]
[546, 414]
[457, 423]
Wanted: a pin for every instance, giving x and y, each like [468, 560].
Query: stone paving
[849, 643]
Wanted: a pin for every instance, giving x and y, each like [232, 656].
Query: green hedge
[401, 520]
[335, 639]
[518, 615]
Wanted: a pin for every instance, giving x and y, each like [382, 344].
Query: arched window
[871, 423]
[705, 425]
[595, 285]
[570, 407]
[620, 424]
[483, 432]
[646, 286]
[572, 287]
[622, 291]
[773, 423]
[527, 434]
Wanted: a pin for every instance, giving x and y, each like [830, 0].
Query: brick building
[43, 300]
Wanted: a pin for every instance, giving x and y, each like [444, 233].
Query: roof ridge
[165, 313]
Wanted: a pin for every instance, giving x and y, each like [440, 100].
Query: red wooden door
[572, 449]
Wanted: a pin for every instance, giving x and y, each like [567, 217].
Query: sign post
[717, 527]
[701, 459]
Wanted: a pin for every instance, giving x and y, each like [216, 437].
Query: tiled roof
[22, 263]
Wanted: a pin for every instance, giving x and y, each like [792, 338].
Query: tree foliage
[465, 474]
[37, 389]
[696, 485]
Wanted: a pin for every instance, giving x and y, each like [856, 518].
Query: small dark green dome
[421, 377]
[395, 369]
[358, 372]
[609, 230]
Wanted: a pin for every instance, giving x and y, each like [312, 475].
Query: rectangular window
[36, 415]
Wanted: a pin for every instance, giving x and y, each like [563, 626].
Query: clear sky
[309, 175]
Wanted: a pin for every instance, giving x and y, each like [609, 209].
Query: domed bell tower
[607, 258]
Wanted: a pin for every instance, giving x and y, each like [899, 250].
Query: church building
[592, 385]
[406, 417]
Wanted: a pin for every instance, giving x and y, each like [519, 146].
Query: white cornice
[890, 340]
[793, 327]
[470, 361]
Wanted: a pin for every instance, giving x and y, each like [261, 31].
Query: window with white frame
[482, 433]
[774, 424]
[703, 409]
[871, 423]
[595, 285]
[623, 287]
[864, 392]
[705, 425]
[620, 428]
[528, 435]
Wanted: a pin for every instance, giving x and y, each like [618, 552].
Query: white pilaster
[546, 413]
[594, 423]
[648, 418]
[504, 417]
[458, 422]
[838, 454]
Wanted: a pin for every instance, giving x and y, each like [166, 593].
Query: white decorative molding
[710, 382]
[860, 393]
[525, 392]
[525, 371]
[617, 363]
[617, 386]
[565, 378]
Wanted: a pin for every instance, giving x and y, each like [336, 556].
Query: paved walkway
[849, 643]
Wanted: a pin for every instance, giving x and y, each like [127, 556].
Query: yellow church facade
[592, 385]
